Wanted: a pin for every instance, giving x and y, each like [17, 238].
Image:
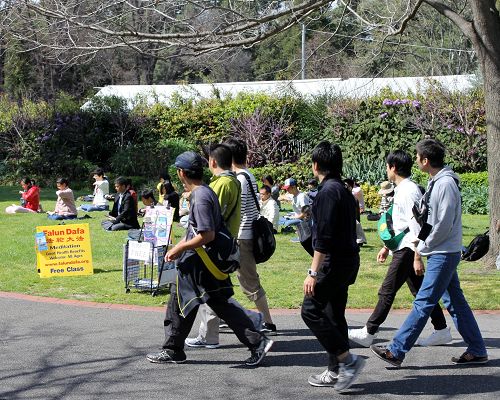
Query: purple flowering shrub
[374, 126]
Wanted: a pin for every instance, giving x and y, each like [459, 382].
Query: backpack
[386, 232]
[264, 242]
[477, 248]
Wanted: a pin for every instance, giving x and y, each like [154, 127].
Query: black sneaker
[260, 352]
[384, 354]
[468, 358]
[268, 329]
[167, 356]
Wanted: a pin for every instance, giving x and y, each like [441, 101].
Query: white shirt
[300, 201]
[405, 195]
[101, 188]
[269, 210]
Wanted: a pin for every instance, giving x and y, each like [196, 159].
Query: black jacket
[127, 212]
[334, 220]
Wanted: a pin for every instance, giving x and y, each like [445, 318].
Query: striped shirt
[249, 211]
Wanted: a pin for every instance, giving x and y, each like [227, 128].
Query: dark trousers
[177, 328]
[400, 271]
[324, 313]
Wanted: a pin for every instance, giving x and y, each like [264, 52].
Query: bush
[475, 200]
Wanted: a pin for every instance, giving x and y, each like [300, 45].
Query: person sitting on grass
[101, 189]
[30, 198]
[123, 216]
[170, 198]
[148, 199]
[65, 204]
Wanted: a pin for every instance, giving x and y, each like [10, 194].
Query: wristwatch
[312, 273]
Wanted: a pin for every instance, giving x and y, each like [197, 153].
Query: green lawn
[282, 276]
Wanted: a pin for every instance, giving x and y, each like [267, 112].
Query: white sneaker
[436, 338]
[327, 378]
[196, 342]
[361, 336]
[348, 373]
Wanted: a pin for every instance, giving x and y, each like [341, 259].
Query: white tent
[353, 87]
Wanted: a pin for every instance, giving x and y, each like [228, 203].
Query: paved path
[76, 351]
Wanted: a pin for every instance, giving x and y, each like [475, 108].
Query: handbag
[264, 242]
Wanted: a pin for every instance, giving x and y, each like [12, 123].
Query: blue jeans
[440, 280]
[91, 207]
[285, 222]
[57, 217]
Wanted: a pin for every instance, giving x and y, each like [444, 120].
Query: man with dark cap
[196, 284]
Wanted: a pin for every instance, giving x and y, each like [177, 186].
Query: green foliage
[366, 169]
[474, 179]
[475, 200]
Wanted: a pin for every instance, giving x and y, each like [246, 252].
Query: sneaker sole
[165, 362]
[269, 333]
[362, 363]
[395, 364]
[321, 384]
[469, 362]
[206, 346]
[266, 350]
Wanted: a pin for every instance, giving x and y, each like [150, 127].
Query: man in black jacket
[123, 216]
[333, 269]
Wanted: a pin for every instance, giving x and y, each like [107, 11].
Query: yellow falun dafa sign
[63, 250]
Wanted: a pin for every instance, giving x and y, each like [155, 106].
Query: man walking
[195, 283]
[441, 244]
[247, 274]
[333, 269]
[401, 270]
[227, 188]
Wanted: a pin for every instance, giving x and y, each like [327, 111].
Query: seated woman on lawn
[101, 189]
[30, 198]
[170, 197]
[65, 204]
[148, 199]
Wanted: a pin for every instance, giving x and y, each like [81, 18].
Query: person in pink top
[65, 204]
[30, 198]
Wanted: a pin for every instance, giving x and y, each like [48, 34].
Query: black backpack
[264, 242]
[477, 248]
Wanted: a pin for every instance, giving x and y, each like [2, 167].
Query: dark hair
[402, 161]
[266, 188]
[98, 172]
[328, 157]
[222, 154]
[349, 182]
[63, 181]
[167, 188]
[148, 194]
[196, 174]
[129, 183]
[121, 181]
[27, 181]
[312, 182]
[433, 150]
[268, 178]
[165, 176]
[238, 149]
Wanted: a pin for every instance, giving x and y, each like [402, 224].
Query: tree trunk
[486, 24]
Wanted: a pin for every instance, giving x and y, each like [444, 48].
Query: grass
[282, 276]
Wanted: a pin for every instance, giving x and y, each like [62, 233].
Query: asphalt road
[61, 351]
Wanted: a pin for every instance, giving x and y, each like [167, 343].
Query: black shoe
[167, 356]
[384, 354]
[260, 352]
[268, 329]
[468, 358]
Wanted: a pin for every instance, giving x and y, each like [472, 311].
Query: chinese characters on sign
[63, 250]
